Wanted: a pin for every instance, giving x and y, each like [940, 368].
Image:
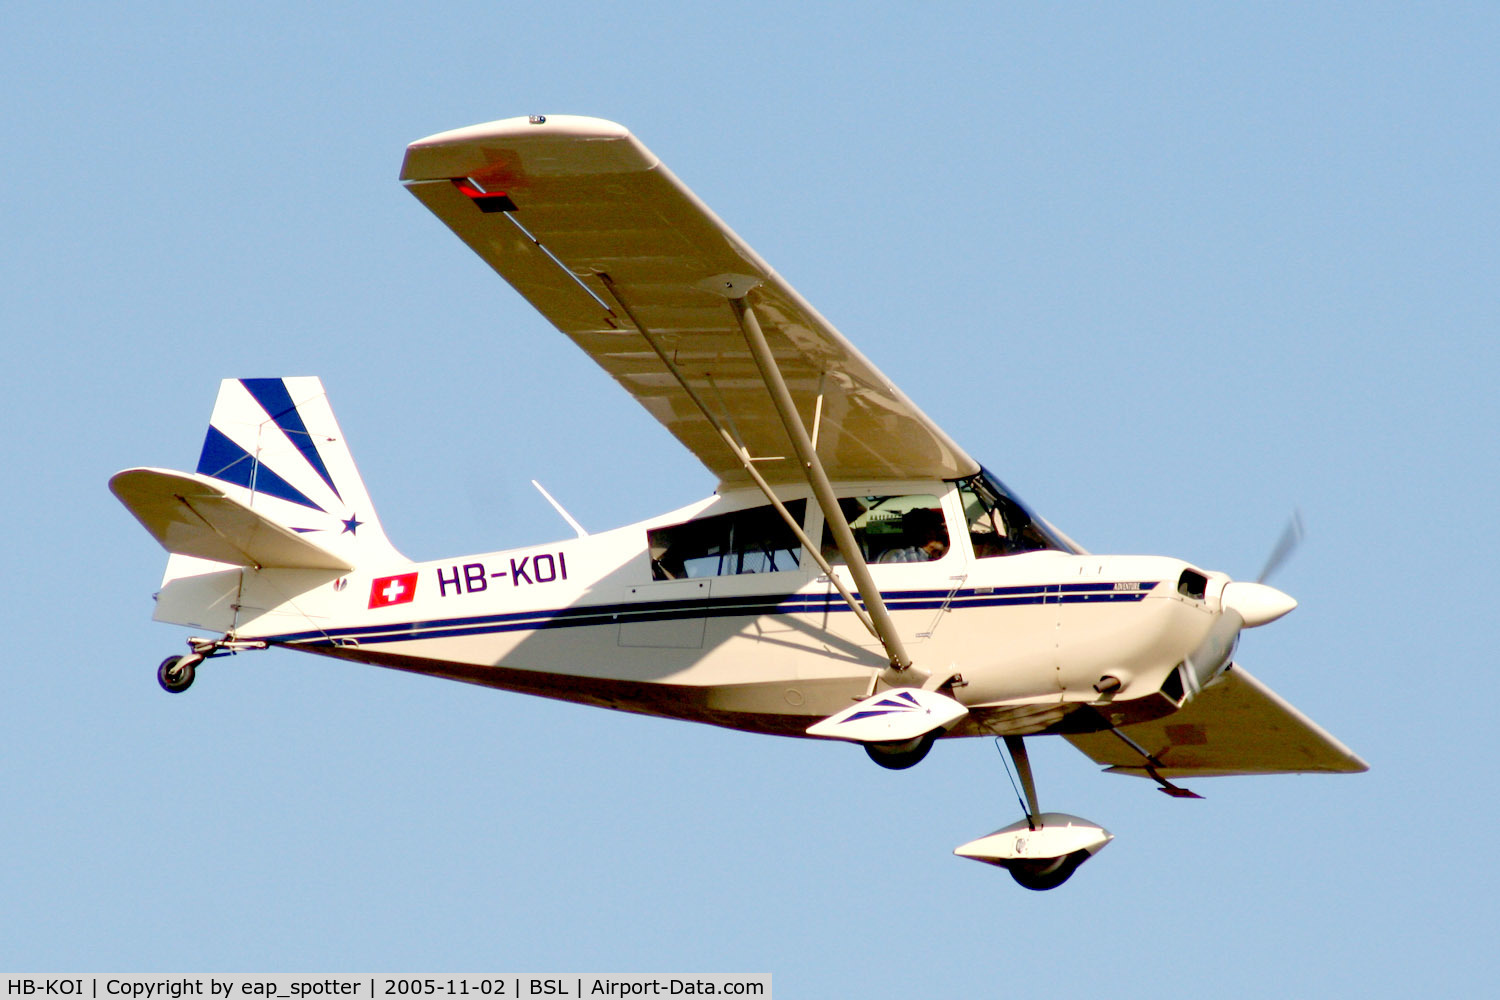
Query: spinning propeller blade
[1290, 538]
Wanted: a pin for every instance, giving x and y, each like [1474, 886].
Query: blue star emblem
[351, 526]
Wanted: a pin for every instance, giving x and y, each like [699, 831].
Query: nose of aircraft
[1256, 603]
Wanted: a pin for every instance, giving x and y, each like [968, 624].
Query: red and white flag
[388, 590]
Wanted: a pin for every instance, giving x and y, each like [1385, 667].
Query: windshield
[999, 523]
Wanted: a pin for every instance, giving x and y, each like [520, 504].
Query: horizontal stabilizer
[191, 515]
[1236, 725]
[892, 716]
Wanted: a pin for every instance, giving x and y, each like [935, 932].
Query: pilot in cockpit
[925, 534]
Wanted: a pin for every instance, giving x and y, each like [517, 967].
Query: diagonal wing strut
[877, 619]
[817, 478]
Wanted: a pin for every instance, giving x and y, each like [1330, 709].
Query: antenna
[559, 508]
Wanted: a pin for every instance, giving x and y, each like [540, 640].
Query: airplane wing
[589, 226]
[1235, 726]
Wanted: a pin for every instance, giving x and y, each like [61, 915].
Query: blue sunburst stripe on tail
[271, 394]
[223, 459]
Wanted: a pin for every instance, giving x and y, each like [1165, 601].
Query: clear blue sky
[1170, 271]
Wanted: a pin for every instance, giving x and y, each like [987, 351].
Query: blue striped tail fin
[274, 445]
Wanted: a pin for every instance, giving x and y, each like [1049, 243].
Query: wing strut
[743, 454]
[1176, 791]
[817, 478]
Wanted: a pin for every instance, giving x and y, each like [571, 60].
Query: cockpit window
[998, 523]
[892, 529]
[747, 541]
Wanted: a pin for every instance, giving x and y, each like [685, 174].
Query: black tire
[1046, 873]
[899, 756]
[175, 674]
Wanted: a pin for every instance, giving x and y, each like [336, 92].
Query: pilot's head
[924, 529]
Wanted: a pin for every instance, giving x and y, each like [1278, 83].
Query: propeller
[1245, 605]
[1291, 537]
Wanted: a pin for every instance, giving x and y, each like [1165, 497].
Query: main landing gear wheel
[1046, 873]
[900, 755]
[176, 672]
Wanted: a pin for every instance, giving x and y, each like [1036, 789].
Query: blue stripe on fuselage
[719, 607]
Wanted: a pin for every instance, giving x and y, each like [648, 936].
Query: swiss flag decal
[388, 590]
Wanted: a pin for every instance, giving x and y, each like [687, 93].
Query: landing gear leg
[1037, 873]
[1017, 747]
[1043, 850]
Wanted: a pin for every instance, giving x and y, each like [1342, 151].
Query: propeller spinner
[1245, 605]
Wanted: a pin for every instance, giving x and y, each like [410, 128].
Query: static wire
[1005, 759]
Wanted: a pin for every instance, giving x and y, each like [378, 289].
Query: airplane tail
[275, 493]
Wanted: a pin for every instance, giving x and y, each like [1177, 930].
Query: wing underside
[591, 228]
[1235, 726]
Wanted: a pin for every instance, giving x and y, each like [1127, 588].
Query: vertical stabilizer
[275, 446]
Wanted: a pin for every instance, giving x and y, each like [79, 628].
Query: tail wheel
[176, 673]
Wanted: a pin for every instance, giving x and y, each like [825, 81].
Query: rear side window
[747, 541]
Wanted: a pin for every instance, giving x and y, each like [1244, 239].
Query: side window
[998, 526]
[893, 529]
[747, 541]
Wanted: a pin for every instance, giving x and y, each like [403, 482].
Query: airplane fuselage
[1033, 635]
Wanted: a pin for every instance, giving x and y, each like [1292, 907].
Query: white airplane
[856, 576]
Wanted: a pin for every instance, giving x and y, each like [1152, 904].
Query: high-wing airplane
[856, 576]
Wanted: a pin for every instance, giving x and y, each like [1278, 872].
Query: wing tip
[538, 140]
[553, 126]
